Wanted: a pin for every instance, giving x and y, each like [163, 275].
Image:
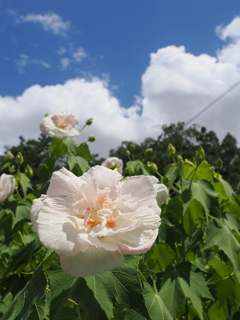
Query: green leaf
[155, 306]
[24, 301]
[179, 283]
[25, 183]
[68, 313]
[219, 234]
[172, 171]
[83, 151]
[121, 284]
[161, 256]
[58, 147]
[203, 171]
[193, 216]
[38, 312]
[79, 161]
[202, 191]
[97, 293]
[70, 144]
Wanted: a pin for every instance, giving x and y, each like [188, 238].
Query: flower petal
[93, 261]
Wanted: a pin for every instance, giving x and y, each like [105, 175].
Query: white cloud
[50, 22]
[64, 63]
[79, 54]
[231, 32]
[85, 99]
[175, 86]
[74, 56]
[61, 51]
[24, 60]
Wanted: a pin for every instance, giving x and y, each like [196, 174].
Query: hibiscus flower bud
[128, 153]
[219, 163]
[152, 165]
[9, 155]
[92, 138]
[19, 158]
[113, 163]
[93, 220]
[7, 186]
[171, 149]
[148, 151]
[29, 171]
[200, 155]
[60, 125]
[89, 121]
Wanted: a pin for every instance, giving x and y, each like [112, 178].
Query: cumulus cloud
[85, 99]
[50, 22]
[24, 60]
[72, 55]
[231, 32]
[175, 86]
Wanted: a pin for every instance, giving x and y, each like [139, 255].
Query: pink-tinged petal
[93, 261]
[64, 183]
[141, 248]
[103, 177]
[80, 206]
[57, 230]
[140, 189]
[36, 207]
[125, 207]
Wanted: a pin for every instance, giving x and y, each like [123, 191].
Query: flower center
[60, 123]
[101, 214]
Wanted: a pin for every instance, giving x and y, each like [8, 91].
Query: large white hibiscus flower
[60, 125]
[93, 220]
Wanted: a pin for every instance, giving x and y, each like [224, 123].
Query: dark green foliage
[186, 141]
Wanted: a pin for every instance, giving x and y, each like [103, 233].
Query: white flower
[7, 186]
[93, 220]
[60, 125]
[113, 163]
[161, 190]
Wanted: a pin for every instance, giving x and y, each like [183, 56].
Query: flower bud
[9, 155]
[12, 169]
[19, 158]
[219, 163]
[29, 171]
[152, 166]
[200, 155]
[171, 149]
[132, 146]
[92, 138]
[148, 151]
[89, 121]
[128, 153]
[180, 159]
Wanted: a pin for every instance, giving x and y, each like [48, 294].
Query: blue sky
[110, 55]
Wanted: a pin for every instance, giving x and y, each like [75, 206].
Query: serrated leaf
[97, 293]
[58, 147]
[70, 144]
[83, 151]
[195, 173]
[178, 284]
[202, 191]
[172, 171]
[79, 161]
[24, 182]
[121, 284]
[155, 306]
[23, 302]
[68, 313]
[219, 234]
[160, 257]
